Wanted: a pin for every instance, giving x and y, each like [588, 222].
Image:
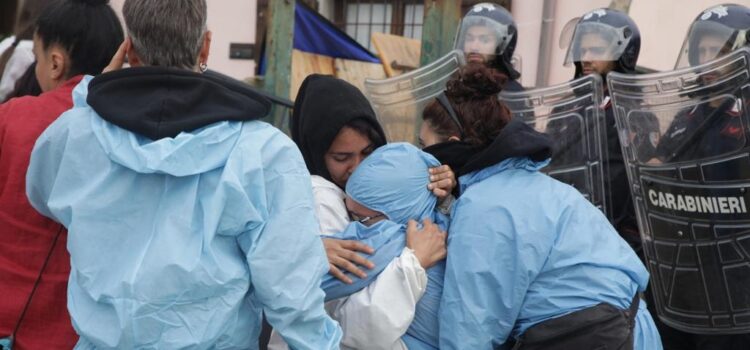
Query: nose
[585, 55]
[471, 46]
[355, 163]
[703, 57]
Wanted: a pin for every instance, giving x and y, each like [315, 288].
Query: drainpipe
[546, 43]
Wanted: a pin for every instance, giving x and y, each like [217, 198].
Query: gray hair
[166, 33]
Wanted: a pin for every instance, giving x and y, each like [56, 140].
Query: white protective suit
[19, 62]
[377, 316]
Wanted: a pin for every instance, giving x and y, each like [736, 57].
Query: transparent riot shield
[571, 114]
[398, 102]
[684, 139]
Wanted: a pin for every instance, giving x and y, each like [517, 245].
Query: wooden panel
[355, 72]
[279, 44]
[304, 64]
[393, 48]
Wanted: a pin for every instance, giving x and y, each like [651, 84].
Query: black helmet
[501, 22]
[728, 23]
[617, 29]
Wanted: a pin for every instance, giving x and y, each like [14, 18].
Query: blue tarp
[315, 34]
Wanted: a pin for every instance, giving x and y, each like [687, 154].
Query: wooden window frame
[398, 22]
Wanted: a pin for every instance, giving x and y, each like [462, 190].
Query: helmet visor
[593, 41]
[480, 35]
[707, 41]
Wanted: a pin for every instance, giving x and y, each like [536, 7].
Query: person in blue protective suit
[529, 258]
[335, 128]
[187, 217]
[385, 192]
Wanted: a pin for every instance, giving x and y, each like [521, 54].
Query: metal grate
[361, 18]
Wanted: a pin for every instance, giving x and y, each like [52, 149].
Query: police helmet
[500, 21]
[728, 26]
[621, 38]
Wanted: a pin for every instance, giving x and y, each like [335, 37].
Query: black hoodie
[323, 106]
[159, 102]
[517, 139]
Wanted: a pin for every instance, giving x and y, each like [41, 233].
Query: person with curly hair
[530, 260]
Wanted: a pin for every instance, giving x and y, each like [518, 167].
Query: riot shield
[571, 114]
[684, 139]
[398, 102]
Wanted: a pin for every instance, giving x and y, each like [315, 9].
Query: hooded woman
[336, 129]
[385, 194]
[529, 258]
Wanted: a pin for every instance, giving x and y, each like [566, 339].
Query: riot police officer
[715, 127]
[488, 35]
[710, 131]
[604, 41]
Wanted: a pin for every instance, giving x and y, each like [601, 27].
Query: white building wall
[663, 25]
[230, 21]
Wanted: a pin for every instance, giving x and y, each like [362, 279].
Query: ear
[133, 59]
[59, 65]
[454, 138]
[205, 49]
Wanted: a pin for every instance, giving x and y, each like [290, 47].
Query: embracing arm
[286, 258]
[379, 315]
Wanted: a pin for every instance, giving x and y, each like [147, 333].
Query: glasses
[367, 220]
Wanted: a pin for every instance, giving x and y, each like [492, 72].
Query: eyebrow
[371, 145]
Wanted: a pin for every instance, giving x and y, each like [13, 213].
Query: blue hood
[188, 153]
[393, 180]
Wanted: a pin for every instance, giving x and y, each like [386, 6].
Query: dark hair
[365, 128]
[440, 121]
[473, 96]
[23, 29]
[26, 85]
[88, 30]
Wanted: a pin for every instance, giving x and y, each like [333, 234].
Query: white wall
[230, 21]
[663, 25]
[528, 16]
